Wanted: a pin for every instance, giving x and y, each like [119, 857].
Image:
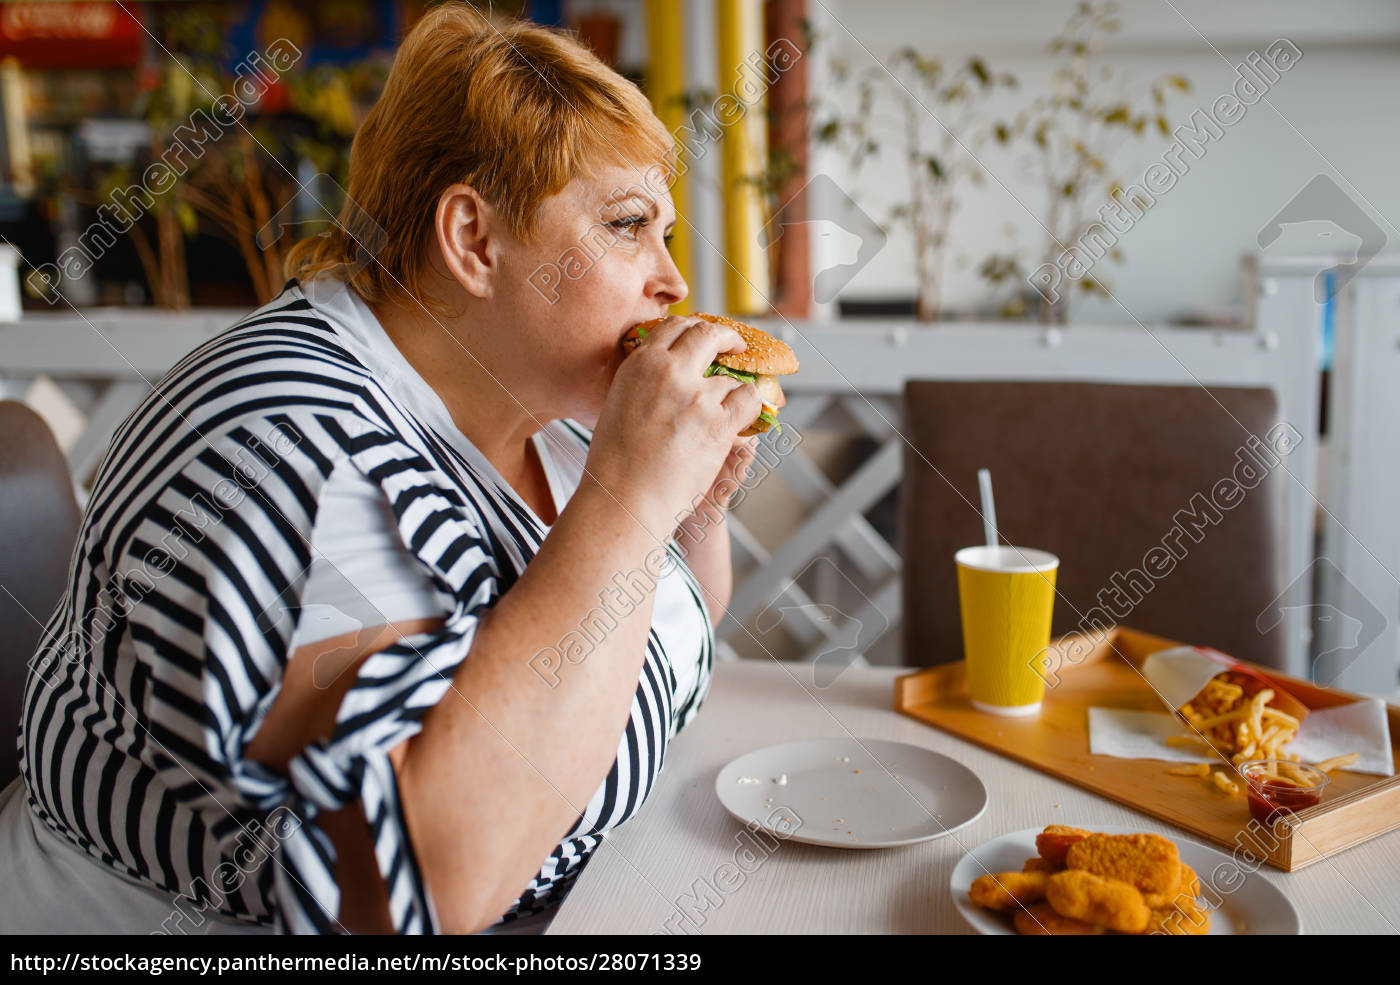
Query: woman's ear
[468, 231]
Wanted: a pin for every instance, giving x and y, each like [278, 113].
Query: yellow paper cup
[1007, 595]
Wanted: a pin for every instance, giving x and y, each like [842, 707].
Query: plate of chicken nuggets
[1064, 879]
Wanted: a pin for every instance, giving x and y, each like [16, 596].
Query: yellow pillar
[21, 164]
[665, 85]
[740, 110]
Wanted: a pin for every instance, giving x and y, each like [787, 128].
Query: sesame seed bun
[765, 357]
[765, 354]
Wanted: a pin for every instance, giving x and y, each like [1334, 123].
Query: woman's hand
[702, 536]
[666, 433]
[732, 473]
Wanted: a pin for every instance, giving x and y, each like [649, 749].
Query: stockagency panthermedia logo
[830, 211]
[1322, 200]
[846, 636]
[350, 616]
[318, 200]
[1346, 630]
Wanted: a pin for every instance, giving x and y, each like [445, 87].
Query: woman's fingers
[743, 404]
[697, 345]
[659, 336]
[668, 330]
[693, 342]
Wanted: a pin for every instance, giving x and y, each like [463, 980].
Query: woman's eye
[630, 223]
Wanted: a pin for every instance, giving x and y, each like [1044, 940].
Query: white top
[361, 572]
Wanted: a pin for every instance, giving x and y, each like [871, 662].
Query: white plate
[852, 793]
[1254, 906]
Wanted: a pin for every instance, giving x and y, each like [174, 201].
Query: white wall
[1335, 112]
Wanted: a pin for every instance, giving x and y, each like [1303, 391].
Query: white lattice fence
[853, 568]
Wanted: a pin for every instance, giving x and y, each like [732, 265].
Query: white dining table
[642, 879]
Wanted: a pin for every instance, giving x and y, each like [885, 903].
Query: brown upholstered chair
[38, 526]
[1096, 474]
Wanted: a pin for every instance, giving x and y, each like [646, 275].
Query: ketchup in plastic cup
[1291, 788]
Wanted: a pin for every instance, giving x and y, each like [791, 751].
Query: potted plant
[935, 107]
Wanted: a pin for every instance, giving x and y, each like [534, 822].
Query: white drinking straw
[989, 510]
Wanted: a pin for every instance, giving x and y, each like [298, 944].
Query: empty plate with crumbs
[851, 793]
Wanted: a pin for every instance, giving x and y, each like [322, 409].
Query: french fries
[1179, 741]
[1240, 729]
[1338, 762]
[1191, 769]
[1234, 725]
[1225, 784]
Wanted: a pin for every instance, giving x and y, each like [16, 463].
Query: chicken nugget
[1148, 862]
[1038, 864]
[1188, 887]
[1185, 919]
[1008, 890]
[1190, 884]
[1156, 901]
[1040, 919]
[1093, 899]
[1055, 841]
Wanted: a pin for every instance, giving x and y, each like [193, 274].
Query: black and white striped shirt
[166, 653]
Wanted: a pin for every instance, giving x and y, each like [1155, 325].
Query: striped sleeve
[219, 633]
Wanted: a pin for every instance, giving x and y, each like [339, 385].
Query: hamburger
[765, 359]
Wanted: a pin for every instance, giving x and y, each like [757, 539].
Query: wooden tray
[1356, 808]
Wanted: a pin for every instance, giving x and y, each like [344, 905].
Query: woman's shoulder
[284, 340]
[286, 358]
[275, 387]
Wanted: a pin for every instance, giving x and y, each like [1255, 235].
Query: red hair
[513, 109]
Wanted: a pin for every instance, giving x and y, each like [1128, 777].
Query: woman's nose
[668, 286]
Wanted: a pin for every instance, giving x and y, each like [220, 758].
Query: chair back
[1132, 487]
[38, 526]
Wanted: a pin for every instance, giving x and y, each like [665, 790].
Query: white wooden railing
[1358, 629]
[104, 360]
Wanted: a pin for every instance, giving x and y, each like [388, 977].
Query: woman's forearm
[508, 760]
[705, 547]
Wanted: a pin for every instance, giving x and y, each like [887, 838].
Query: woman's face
[600, 265]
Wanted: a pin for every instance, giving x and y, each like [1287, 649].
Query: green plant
[935, 107]
[188, 80]
[1003, 271]
[1076, 130]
